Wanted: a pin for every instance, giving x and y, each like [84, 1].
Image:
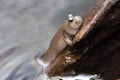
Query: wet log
[97, 45]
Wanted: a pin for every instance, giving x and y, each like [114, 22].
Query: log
[96, 48]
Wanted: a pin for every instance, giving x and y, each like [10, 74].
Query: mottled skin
[62, 38]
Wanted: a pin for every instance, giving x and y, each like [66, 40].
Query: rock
[97, 44]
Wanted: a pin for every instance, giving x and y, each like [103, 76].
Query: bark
[97, 44]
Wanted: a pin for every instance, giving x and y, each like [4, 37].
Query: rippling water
[26, 28]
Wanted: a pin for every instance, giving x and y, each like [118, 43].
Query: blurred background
[26, 29]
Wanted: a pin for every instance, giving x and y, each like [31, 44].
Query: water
[26, 28]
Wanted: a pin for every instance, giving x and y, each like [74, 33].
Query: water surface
[26, 28]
